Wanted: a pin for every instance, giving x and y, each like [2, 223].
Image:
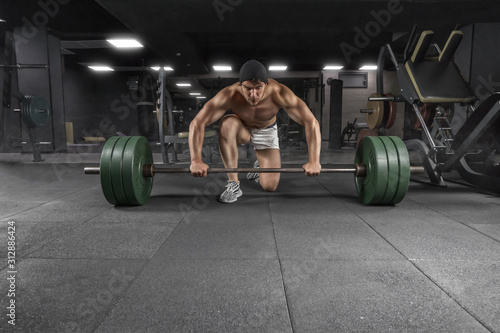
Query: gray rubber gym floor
[307, 258]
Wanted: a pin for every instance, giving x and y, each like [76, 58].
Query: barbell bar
[23, 66]
[149, 170]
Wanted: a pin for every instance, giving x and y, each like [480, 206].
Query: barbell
[381, 170]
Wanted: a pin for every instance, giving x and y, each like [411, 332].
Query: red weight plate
[393, 109]
[365, 132]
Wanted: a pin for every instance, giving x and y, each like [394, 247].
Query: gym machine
[430, 84]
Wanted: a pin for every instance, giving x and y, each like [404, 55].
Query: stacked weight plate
[35, 111]
[122, 179]
[388, 170]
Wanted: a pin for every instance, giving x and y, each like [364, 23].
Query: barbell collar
[91, 170]
[395, 98]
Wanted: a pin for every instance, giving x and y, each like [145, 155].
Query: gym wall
[477, 58]
[99, 104]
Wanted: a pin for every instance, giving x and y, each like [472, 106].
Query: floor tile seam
[121, 296]
[370, 226]
[46, 202]
[47, 242]
[456, 221]
[257, 259]
[75, 259]
[8, 217]
[454, 299]
[88, 258]
[70, 229]
[457, 260]
[169, 235]
[92, 221]
[477, 190]
[413, 263]
[179, 259]
[336, 196]
[283, 285]
[402, 260]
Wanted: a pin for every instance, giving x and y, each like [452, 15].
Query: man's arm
[211, 112]
[300, 113]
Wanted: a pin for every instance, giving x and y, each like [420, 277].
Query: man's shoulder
[230, 91]
[279, 92]
[274, 84]
[277, 88]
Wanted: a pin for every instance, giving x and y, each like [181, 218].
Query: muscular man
[254, 100]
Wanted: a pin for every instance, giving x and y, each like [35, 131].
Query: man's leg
[232, 133]
[269, 158]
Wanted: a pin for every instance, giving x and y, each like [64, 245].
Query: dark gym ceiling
[193, 35]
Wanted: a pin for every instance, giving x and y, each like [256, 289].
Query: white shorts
[265, 138]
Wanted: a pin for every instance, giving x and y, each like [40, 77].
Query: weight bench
[437, 80]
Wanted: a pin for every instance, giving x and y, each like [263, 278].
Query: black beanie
[253, 70]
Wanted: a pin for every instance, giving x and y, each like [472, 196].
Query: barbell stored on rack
[381, 170]
[34, 110]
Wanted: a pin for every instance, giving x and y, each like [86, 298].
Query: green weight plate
[117, 171]
[371, 188]
[39, 111]
[137, 187]
[35, 111]
[393, 170]
[404, 169]
[105, 170]
[25, 102]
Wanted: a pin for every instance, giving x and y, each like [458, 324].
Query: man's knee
[269, 185]
[228, 126]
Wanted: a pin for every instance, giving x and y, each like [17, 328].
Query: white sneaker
[254, 175]
[232, 192]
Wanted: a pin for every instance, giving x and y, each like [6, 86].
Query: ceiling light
[102, 68]
[369, 68]
[222, 68]
[277, 68]
[201, 97]
[124, 43]
[183, 84]
[332, 67]
[167, 68]
[194, 94]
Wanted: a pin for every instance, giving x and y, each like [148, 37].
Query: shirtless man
[254, 100]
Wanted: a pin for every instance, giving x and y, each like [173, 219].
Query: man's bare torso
[261, 115]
